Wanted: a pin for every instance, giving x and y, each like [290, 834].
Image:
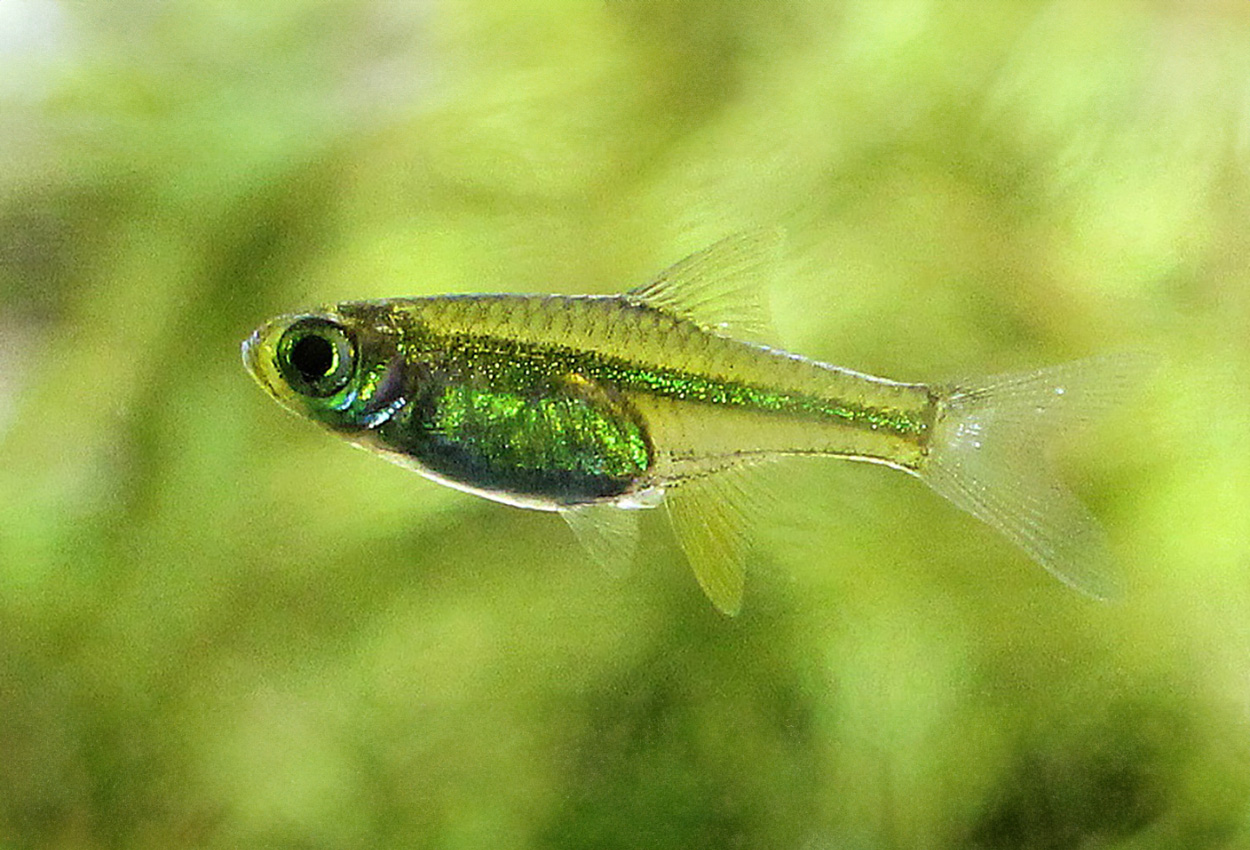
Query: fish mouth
[249, 351]
[252, 350]
[251, 354]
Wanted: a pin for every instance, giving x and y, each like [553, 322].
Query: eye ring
[316, 356]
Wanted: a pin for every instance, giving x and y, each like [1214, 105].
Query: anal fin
[711, 517]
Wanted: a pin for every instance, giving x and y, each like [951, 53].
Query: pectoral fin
[608, 534]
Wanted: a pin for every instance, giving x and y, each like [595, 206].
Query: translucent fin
[720, 288]
[609, 534]
[711, 518]
[988, 457]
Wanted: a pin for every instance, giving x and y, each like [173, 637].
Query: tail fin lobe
[988, 456]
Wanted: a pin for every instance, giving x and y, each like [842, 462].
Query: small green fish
[592, 406]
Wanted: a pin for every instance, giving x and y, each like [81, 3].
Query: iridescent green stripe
[693, 387]
[698, 388]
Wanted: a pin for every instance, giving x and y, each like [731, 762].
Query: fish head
[331, 367]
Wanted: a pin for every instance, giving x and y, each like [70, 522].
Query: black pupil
[313, 357]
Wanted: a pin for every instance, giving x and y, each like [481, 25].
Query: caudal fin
[988, 455]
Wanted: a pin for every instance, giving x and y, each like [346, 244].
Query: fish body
[593, 405]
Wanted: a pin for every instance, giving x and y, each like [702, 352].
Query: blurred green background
[221, 628]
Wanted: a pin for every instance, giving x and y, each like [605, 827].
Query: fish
[595, 407]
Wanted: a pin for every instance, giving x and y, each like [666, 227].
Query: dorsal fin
[721, 287]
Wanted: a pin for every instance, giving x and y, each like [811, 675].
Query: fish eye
[316, 357]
